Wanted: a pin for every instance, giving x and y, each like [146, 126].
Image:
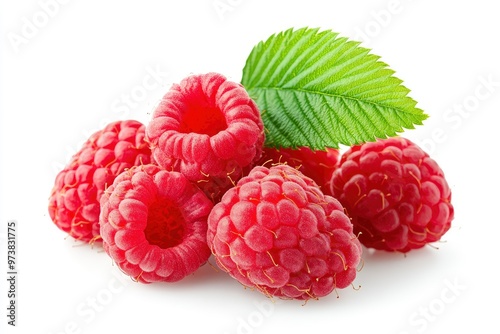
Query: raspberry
[209, 129]
[276, 231]
[154, 224]
[74, 201]
[316, 164]
[396, 195]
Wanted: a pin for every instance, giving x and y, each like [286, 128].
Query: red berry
[154, 224]
[396, 195]
[316, 164]
[278, 232]
[209, 129]
[74, 201]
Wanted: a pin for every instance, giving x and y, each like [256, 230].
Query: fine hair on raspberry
[209, 129]
[316, 164]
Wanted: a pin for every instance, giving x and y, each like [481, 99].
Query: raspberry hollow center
[165, 227]
[202, 118]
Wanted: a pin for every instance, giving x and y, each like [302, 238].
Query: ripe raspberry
[395, 193]
[154, 224]
[74, 201]
[316, 164]
[209, 129]
[278, 232]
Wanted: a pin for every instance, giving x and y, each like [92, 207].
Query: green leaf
[320, 90]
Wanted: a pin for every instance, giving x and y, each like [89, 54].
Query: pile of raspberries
[198, 181]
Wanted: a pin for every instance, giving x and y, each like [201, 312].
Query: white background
[71, 72]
